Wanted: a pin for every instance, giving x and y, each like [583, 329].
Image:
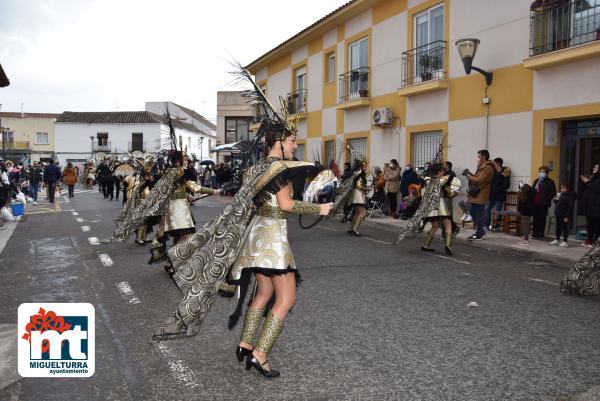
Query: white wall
[359, 23]
[315, 82]
[72, 140]
[279, 84]
[329, 121]
[567, 85]
[299, 54]
[330, 38]
[389, 41]
[427, 108]
[357, 119]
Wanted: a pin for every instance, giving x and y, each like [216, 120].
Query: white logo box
[77, 362]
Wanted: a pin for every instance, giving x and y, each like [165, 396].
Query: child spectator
[563, 211]
[525, 208]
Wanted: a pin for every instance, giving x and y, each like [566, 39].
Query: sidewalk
[500, 242]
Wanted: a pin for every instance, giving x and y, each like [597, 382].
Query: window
[102, 138]
[8, 136]
[300, 82]
[300, 152]
[358, 144]
[425, 146]
[236, 129]
[41, 138]
[359, 54]
[137, 142]
[189, 145]
[429, 26]
[330, 68]
[329, 152]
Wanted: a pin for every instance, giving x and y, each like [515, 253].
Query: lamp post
[92, 139]
[467, 49]
[201, 148]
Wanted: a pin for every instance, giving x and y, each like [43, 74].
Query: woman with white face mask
[544, 191]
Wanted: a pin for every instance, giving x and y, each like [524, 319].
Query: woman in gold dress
[266, 252]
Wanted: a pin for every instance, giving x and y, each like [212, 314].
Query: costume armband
[306, 208]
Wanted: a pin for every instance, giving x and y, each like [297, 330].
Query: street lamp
[201, 147]
[92, 139]
[467, 49]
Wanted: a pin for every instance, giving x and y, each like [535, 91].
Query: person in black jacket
[591, 202]
[525, 209]
[499, 186]
[51, 177]
[34, 175]
[563, 211]
[544, 190]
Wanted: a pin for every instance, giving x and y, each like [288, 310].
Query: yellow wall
[511, 92]
[394, 102]
[280, 64]
[387, 9]
[314, 122]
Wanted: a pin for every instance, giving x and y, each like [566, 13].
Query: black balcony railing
[353, 85]
[424, 63]
[137, 146]
[104, 147]
[296, 101]
[560, 24]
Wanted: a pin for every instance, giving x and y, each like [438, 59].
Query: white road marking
[79, 219]
[537, 280]
[179, 369]
[105, 260]
[93, 241]
[95, 221]
[378, 241]
[85, 229]
[127, 292]
[464, 262]
[75, 213]
[327, 228]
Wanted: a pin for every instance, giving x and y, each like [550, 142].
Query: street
[372, 321]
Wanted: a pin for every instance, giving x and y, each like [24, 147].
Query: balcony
[296, 103]
[353, 89]
[136, 146]
[423, 69]
[105, 147]
[562, 32]
[15, 145]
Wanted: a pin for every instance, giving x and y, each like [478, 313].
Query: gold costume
[179, 216]
[359, 193]
[265, 244]
[447, 191]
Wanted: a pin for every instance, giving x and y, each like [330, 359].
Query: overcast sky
[107, 55]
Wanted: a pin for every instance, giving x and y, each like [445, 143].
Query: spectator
[334, 168]
[563, 211]
[392, 186]
[544, 191]
[525, 208]
[500, 184]
[479, 190]
[51, 178]
[208, 174]
[591, 205]
[70, 178]
[35, 178]
[347, 172]
[378, 185]
[409, 176]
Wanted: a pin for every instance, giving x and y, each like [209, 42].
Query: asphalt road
[372, 321]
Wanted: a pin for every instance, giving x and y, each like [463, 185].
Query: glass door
[428, 42]
[359, 61]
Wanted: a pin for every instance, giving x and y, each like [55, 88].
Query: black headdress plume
[169, 122]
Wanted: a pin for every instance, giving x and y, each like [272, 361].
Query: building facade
[234, 119]
[27, 137]
[98, 135]
[386, 77]
[207, 129]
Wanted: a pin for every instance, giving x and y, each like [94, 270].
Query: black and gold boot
[356, 222]
[427, 244]
[268, 336]
[448, 243]
[140, 235]
[252, 321]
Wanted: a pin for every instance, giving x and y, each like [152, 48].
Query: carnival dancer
[249, 236]
[442, 215]
[90, 175]
[358, 199]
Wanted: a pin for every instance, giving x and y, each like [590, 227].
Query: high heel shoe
[253, 362]
[242, 353]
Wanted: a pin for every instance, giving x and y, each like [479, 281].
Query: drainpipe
[486, 104]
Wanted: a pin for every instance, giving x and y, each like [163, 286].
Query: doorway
[580, 150]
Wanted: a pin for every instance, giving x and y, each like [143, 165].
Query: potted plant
[426, 61]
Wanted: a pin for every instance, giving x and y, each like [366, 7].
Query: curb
[558, 261]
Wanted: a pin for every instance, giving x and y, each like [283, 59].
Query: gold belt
[179, 195]
[271, 211]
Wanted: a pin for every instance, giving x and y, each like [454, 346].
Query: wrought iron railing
[296, 101]
[560, 24]
[105, 147]
[424, 63]
[139, 146]
[354, 84]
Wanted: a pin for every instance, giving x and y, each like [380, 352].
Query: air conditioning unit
[382, 116]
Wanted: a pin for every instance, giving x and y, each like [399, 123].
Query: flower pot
[363, 93]
[426, 76]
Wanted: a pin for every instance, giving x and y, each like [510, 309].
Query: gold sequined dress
[448, 188]
[178, 219]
